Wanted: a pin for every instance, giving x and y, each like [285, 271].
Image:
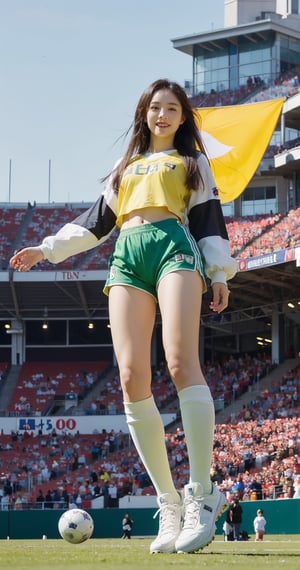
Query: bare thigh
[132, 317]
[180, 296]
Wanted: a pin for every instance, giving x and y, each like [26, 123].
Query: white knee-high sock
[147, 431]
[198, 420]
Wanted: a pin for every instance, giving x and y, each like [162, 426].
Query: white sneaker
[200, 514]
[169, 525]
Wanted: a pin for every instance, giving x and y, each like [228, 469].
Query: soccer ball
[75, 526]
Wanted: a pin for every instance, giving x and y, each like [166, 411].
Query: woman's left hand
[220, 297]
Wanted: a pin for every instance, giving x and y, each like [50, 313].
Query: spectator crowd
[256, 451]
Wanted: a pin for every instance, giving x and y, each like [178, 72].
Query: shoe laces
[192, 509]
[168, 515]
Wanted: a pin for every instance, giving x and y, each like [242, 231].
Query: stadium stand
[11, 220]
[256, 452]
[40, 383]
[285, 233]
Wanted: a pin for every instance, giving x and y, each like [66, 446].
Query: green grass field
[282, 551]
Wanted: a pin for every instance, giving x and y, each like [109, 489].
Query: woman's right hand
[26, 258]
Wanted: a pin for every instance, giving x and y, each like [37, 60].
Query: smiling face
[164, 117]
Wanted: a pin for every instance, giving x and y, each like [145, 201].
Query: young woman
[162, 196]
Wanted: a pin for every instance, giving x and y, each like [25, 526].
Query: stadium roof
[253, 31]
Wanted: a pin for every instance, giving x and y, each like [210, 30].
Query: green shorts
[144, 254]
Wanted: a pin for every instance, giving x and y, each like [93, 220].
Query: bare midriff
[147, 216]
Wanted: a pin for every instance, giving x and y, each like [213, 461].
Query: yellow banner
[235, 139]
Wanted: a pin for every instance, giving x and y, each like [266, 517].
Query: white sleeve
[69, 240]
[207, 225]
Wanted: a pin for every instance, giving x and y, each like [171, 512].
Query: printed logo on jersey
[141, 169]
[144, 169]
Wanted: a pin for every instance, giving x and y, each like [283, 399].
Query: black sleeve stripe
[206, 220]
[99, 219]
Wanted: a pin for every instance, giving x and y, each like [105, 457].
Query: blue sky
[71, 73]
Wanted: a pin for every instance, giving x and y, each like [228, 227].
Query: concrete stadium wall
[282, 515]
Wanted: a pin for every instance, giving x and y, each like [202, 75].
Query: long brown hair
[187, 140]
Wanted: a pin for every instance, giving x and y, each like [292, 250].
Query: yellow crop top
[153, 180]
